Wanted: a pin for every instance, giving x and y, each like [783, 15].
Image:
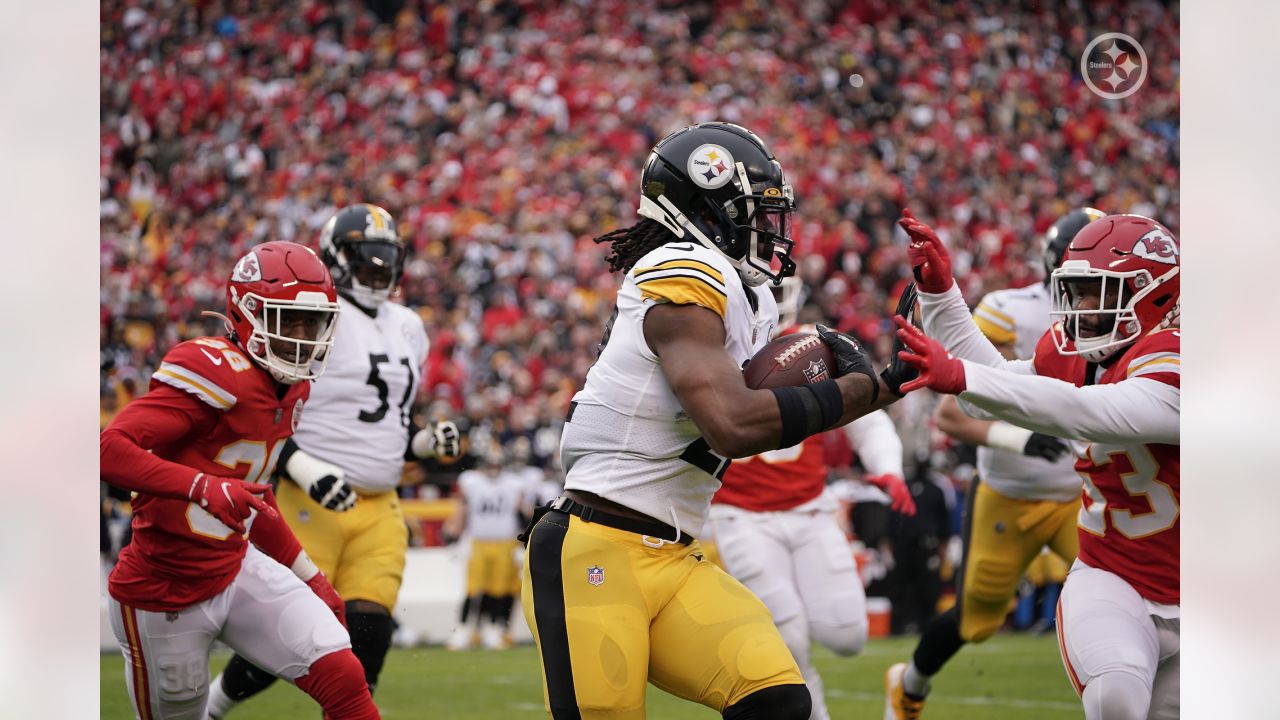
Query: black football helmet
[364, 254]
[1059, 236]
[717, 183]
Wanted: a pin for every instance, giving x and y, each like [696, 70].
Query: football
[790, 360]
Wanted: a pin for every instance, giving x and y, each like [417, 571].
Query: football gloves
[900, 499]
[850, 356]
[1011, 438]
[1044, 446]
[939, 370]
[230, 500]
[323, 589]
[441, 440]
[322, 481]
[898, 371]
[929, 260]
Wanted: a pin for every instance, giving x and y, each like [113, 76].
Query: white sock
[219, 702]
[915, 682]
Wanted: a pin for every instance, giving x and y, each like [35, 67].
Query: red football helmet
[1118, 281]
[282, 309]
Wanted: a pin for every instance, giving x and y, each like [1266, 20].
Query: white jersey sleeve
[1019, 317]
[946, 318]
[359, 411]
[627, 438]
[876, 441]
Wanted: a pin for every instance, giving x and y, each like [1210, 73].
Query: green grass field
[1014, 677]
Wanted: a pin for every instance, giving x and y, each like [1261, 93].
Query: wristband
[423, 444]
[306, 469]
[1004, 436]
[304, 567]
[807, 410]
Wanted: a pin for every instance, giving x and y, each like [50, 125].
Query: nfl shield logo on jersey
[595, 575]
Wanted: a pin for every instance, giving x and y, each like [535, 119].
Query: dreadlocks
[629, 244]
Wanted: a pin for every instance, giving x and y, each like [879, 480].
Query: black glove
[851, 357]
[897, 371]
[1045, 446]
[333, 493]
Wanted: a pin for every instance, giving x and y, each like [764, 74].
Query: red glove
[929, 260]
[230, 500]
[939, 369]
[319, 584]
[899, 495]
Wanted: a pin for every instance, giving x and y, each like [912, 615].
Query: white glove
[323, 481]
[441, 440]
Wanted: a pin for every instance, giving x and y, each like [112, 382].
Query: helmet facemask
[290, 338]
[368, 271]
[1097, 308]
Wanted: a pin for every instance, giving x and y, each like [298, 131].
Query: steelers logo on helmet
[710, 166]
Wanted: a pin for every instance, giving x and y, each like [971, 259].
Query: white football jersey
[359, 411]
[492, 503]
[1020, 316]
[628, 439]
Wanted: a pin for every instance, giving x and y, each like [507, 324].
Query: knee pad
[370, 640]
[336, 681]
[780, 702]
[242, 679]
[1116, 696]
[843, 640]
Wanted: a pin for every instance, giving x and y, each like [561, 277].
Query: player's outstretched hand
[230, 500]
[929, 260]
[323, 481]
[899, 495]
[323, 589]
[939, 370]
[1045, 446]
[898, 371]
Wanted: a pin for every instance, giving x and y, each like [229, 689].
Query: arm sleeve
[877, 443]
[947, 318]
[160, 418]
[1138, 409]
[273, 536]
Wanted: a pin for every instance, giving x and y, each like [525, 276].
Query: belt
[650, 529]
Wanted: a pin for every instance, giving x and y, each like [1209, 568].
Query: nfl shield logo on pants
[595, 575]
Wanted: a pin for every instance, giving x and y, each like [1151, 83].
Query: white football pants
[266, 614]
[1120, 651]
[800, 565]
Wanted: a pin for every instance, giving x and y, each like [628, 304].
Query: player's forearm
[947, 318]
[273, 536]
[1133, 410]
[953, 421]
[126, 465]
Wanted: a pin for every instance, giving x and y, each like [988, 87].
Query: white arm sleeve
[947, 319]
[877, 443]
[1137, 409]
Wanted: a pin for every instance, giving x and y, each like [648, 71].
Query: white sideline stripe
[936, 699]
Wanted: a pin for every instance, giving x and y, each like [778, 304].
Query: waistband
[649, 529]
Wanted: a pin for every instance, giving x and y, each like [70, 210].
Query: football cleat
[898, 705]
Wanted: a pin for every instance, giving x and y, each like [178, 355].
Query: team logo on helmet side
[710, 166]
[1158, 246]
[247, 270]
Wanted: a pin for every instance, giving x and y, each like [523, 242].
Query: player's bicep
[689, 343]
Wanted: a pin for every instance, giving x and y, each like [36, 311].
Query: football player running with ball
[615, 589]
[342, 466]
[1026, 496]
[1107, 372]
[211, 558]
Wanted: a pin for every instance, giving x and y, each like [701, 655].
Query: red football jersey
[777, 479]
[1130, 512]
[210, 409]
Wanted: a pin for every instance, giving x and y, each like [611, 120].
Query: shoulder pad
[205, 367]
[685, 274]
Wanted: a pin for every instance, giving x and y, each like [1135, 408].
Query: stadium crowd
[505, 135]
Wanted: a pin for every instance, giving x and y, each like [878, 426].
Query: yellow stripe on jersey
[995, 333]
[688, 288]
[1164, 364]
[187, 381]
[683, 263]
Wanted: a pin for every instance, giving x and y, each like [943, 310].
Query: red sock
[336, 681]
